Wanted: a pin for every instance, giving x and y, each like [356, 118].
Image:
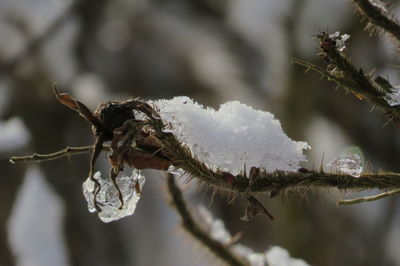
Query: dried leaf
[254, 208]
[66, 99]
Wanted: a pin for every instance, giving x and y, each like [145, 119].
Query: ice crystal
[348, 164]
[232, 136]
[340, 40]
[393, 98]
[108, 197]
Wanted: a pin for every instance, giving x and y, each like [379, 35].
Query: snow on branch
[235, 149]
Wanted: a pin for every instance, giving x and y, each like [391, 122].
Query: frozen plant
[232, 136]
[348, 164]
[108, 197]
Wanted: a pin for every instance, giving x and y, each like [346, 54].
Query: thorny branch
[189, 224]
[341, 71]
[378, 18]
[143, 144]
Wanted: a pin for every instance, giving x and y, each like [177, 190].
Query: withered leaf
[254, 208]
[140, 159]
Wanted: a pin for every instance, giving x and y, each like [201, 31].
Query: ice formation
[340, 40]
[348, 164]
[232, 136]
[393, 98]
[275, 256]
[108, 197]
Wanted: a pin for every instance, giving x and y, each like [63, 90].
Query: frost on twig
[274, 256]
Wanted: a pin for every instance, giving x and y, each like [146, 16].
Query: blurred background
[212, 51]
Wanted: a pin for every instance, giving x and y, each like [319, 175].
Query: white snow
[275, 256]
[108, 196]
[216, 227]
[232, 136]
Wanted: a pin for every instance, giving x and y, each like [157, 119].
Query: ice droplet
[348, 164]
[108, 198]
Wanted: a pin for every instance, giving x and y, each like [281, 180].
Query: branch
[277, 181]
[367, 199]
[339, 69]
[163, 147]
[377, 17]
[190, 225]
[67, 152]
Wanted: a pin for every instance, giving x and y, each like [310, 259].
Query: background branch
[189, 224]
[377, 17]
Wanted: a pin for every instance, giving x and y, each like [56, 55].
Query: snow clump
[274, 256]
[232, 136]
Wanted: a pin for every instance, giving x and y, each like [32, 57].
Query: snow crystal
[348, 164]
[340, 40]
[393, 98]
[232, 136]
[108, 197]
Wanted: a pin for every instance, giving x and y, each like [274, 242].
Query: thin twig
[367, 199]
[189, 224]
[67, 152]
